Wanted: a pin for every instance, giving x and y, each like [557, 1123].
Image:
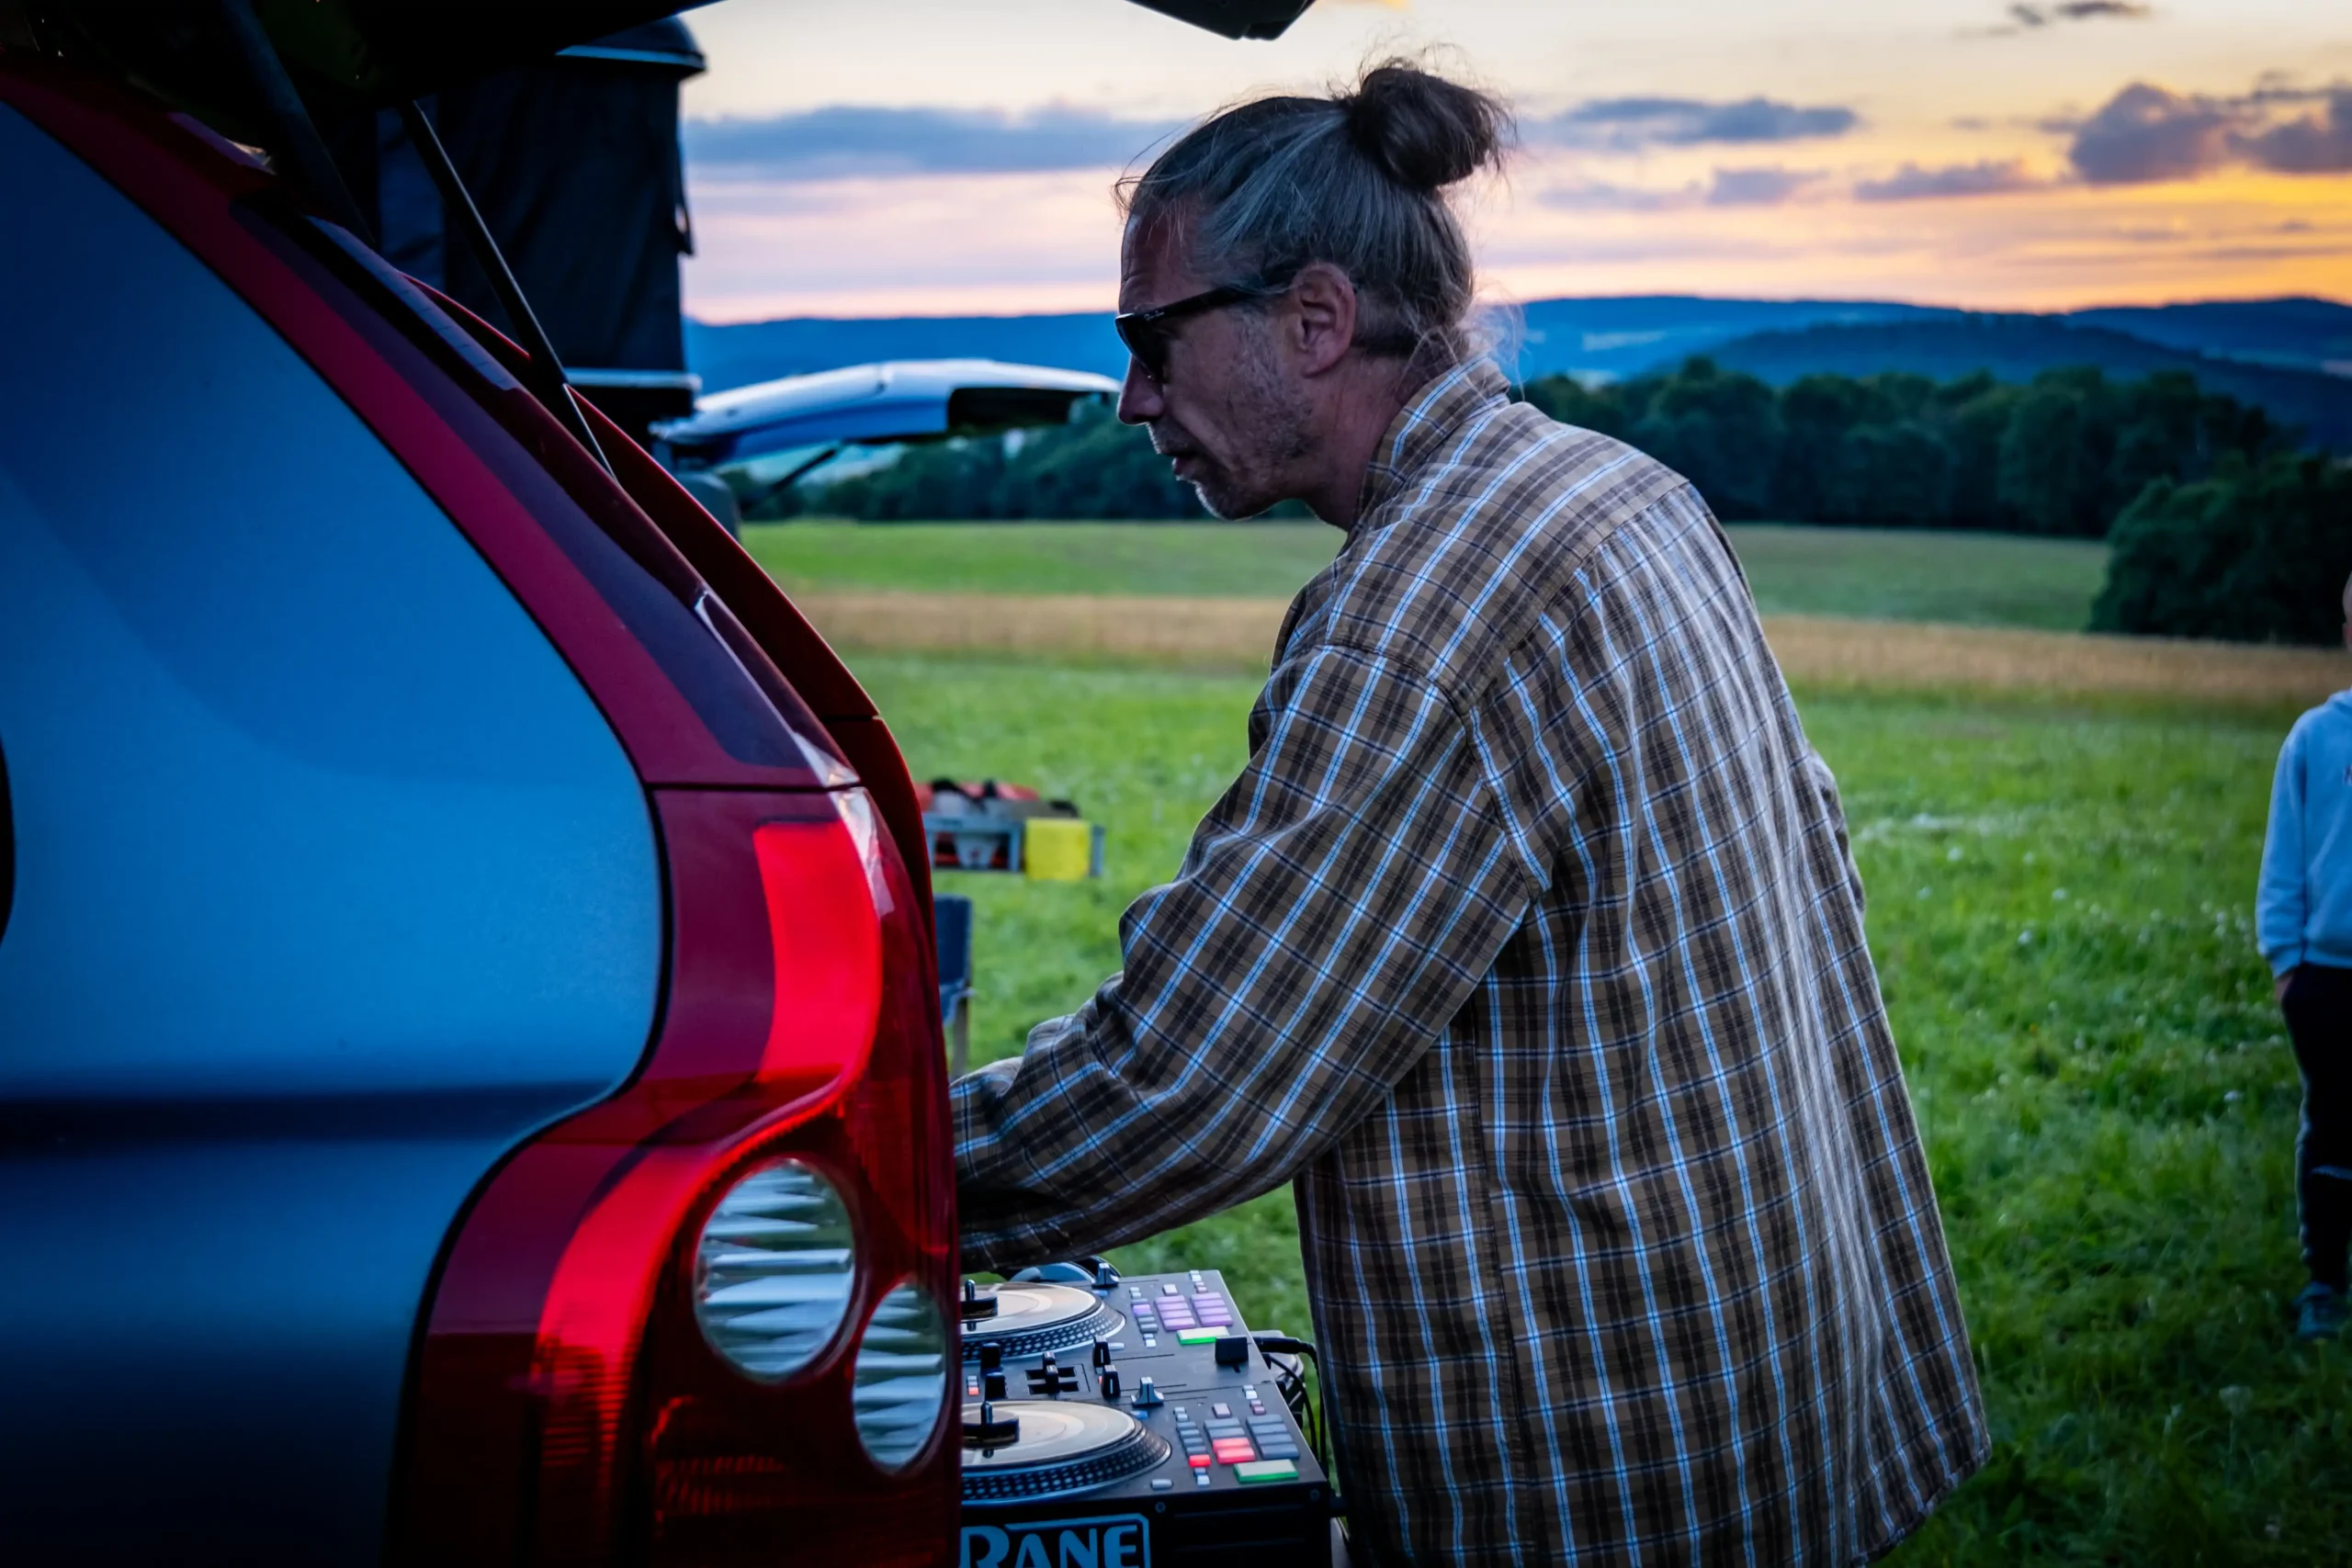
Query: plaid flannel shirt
[1530, 948]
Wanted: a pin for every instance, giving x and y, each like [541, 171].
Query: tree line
[2063, 454]
[2221, 527]
[1092, 468]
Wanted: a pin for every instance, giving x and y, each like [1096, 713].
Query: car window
[303, 800]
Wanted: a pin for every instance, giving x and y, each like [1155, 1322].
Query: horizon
[1565, 298]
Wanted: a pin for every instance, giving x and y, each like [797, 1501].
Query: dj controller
[1132, 1423]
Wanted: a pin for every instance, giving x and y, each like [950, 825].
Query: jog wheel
[1056, 1447]
[1031, 1319]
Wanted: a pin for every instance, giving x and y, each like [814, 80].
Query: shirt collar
[1423, 427]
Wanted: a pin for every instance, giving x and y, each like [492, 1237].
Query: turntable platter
[1062, 1446]
[1033, 1318]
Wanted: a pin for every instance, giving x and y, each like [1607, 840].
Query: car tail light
[901, 1375]
[824, 940]
[775, 1270]
[698, 1323]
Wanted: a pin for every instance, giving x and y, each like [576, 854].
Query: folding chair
[951, 917]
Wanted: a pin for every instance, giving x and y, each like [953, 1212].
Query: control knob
[988, 1432]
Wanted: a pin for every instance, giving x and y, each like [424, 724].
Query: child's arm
[2280, 904]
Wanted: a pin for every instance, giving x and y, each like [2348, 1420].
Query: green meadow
[2060, 909]
[1876, 573]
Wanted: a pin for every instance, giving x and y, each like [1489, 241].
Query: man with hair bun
[1528, 945]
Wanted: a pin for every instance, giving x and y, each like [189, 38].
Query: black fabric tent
[574, 164]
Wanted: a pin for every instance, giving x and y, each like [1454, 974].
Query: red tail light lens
[571, 1404]
[827, 941]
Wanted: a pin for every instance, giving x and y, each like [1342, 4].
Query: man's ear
[1323, 322]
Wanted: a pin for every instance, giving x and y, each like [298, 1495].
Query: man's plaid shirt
[1529, 947]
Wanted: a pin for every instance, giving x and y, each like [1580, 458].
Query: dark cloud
[2281, 87]
[849, 140]
[2030, 16]
[2148, 132]
[1913, 182]
[2315, 144]
[1758, 188]
[1770, 185]
[1599, 195]
[1628, 124]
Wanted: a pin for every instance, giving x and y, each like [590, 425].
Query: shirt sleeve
[2280, 908]
[1335, 910]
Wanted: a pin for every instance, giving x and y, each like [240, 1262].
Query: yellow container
[1058, 849]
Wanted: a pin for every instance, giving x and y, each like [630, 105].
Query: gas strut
[549, 383]
[297, 137]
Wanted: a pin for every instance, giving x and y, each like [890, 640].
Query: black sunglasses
[1147, 333]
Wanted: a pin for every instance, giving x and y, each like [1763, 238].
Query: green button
[1198, 1335]
[1258, 1470]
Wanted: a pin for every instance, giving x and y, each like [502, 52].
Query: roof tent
[573, 162]
[1234, 18]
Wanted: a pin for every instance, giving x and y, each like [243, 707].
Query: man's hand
[2284, 981]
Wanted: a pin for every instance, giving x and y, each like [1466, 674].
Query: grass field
[2059, 907]
[1886, 574]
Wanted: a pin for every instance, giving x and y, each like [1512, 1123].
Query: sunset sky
[894, 157]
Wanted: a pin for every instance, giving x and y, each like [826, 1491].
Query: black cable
[549, 384]
[1291, 1382]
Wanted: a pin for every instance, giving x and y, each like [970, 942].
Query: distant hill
[2017, 348]
[2237, 345]
[1617, 337]
[761, 351]
[2292, 334]
[1606, 337]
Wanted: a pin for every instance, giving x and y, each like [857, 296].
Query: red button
[1198, 1462]
[1234, 1451]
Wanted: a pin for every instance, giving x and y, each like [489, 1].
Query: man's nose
[1139, 399]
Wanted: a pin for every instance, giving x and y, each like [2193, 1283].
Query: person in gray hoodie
[2303, 922]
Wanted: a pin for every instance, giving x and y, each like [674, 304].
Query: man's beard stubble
[1246, 482]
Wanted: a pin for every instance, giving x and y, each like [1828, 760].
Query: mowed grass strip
[1871, 573]
[1227, 635]
[1238, 636]
[1889, 655]
[2059, 911]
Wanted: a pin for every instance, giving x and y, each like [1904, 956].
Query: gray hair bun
[1355, 180]
[1422, 130]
